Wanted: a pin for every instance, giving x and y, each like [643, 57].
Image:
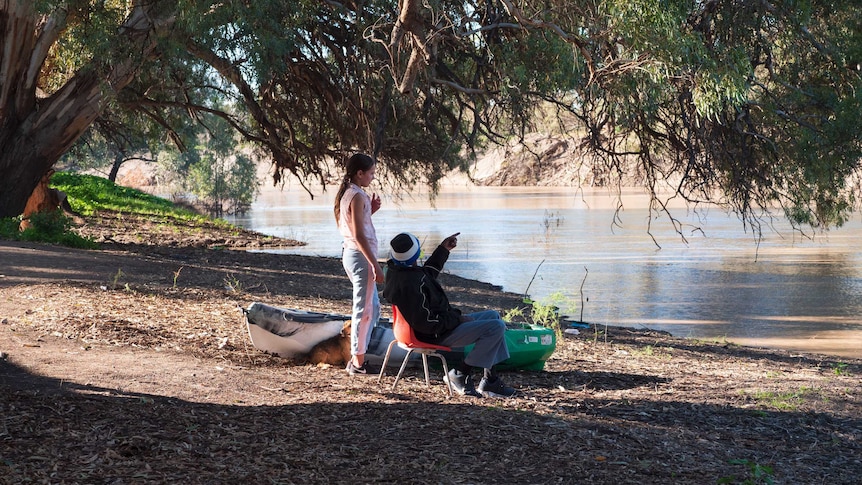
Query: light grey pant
[487, 330]
[366, 303]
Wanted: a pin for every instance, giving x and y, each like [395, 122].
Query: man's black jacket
[420, 298]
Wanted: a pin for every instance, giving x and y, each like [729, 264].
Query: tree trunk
[33, 135]
[115, 167]
[19, 180]
[38, 141]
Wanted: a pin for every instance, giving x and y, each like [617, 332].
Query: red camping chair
[406, 339]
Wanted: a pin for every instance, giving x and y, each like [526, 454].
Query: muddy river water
[711, 279]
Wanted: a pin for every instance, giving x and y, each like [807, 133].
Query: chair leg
[446, 373]
[385, 361]
[425, 364]
[401, 370]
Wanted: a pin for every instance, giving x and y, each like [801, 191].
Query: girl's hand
[378, 274]
[375, 203]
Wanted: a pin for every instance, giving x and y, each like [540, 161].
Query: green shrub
[52, 227]
[9, 227]
[546, 313]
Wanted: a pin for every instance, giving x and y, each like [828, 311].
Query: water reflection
[790, 291]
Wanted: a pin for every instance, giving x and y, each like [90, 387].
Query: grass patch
[88, 194]
[711, 341]
[782, 401]
[651, 351]
[757, 474]
[52, 227]
[840, 369]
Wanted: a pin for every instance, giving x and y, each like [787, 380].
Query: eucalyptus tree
[744, 103]
[750, 104]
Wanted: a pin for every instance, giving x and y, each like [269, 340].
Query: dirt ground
[132, 364]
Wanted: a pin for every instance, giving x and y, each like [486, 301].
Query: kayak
[292, 333]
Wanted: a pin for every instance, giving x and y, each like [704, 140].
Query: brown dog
[333, 351]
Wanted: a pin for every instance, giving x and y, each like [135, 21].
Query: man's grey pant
[487, 330]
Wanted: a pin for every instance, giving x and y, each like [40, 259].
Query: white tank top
[350, 242]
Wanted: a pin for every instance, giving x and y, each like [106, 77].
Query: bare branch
[458, 87]
[230, 72]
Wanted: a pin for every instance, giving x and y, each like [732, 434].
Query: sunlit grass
[87, 195]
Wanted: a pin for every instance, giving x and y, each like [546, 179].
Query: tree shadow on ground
[60, 431]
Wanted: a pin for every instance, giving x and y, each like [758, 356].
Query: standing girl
[353, 210]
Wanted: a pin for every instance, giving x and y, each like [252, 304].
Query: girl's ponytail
[341, 190]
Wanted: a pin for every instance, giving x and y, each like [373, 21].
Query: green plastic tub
[529, 345]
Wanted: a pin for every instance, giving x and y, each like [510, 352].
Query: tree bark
[35, 132]
[115, 167]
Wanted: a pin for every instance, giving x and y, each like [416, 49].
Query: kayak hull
[290, 333]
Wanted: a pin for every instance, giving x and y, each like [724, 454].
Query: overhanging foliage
[747, 104]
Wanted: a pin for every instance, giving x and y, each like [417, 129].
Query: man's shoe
[495, 388]
[461, 383]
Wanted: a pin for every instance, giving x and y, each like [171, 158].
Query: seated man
[421, 300]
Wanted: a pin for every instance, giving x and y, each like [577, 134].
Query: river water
[789, 291]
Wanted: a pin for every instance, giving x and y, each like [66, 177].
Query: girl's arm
[357, 208]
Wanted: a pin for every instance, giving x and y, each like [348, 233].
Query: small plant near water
[231, 283]
[546, 313]
[599, 333]
[650, 351]
[710, 340]
[840, 369]
[757, 474]
[514, 314]
[550, 221]
[116, 280]
[177, 275]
